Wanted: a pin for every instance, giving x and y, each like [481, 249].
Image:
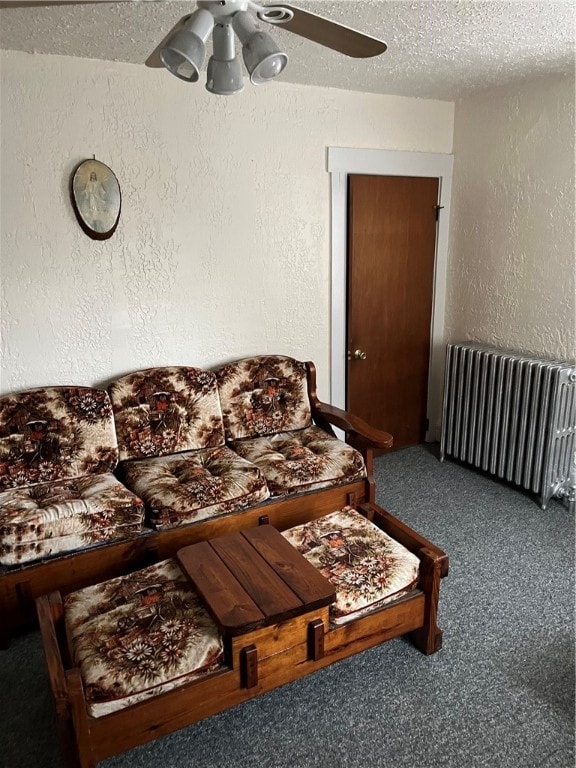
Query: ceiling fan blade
[47, 3]
[324, 31]
[154, 59]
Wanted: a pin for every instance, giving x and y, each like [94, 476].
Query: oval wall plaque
[96, 199]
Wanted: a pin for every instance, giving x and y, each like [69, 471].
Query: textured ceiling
[441, 50]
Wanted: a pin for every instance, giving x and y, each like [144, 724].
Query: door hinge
[438, 208]
[426, 424]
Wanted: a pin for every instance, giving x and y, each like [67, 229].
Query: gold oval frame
[96, 199]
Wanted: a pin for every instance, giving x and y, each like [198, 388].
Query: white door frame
[381, 162]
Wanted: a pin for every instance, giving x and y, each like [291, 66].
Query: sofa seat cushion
[263, 395]
[51, 518]
[194, 485]
[367, 567]
[139, 635]
[159, 411]
[304, 460]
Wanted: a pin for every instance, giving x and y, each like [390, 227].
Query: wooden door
[391, 250]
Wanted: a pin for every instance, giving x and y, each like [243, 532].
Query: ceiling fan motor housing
[223, 8]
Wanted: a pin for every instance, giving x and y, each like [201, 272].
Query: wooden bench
[272, 635]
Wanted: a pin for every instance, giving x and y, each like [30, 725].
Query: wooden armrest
[405, 535]
[337, 417]
[351, 423]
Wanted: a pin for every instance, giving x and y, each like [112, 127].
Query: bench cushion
[139, 635]
[49, 518]
[194, 485]
[159, 411]
[55, 433]
[263, 395]
[304, 460]
[367, 567]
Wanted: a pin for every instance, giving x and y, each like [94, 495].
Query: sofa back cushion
[160, 411]
[263, 395]
[55, 433]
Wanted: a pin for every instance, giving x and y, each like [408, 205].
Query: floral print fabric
[160, 411]
[50, 518]
[139, 635]
[304, 460]
[192, 486]
[263, 395]
[367, 567]
[55, 433]
[57, 450]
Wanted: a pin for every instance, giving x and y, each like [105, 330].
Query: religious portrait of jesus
[96, 194]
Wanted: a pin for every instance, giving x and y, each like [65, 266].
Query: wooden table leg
[316, 639]
[249, 666]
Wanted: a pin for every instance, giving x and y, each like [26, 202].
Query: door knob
[358, 354]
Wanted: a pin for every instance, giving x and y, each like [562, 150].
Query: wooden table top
[253, 578]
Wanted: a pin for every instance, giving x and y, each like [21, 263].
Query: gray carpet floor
[500, 693]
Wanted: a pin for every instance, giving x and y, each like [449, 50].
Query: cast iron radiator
[512, 416]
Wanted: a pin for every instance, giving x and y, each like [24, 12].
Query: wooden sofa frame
[69, 571]
[85, 740]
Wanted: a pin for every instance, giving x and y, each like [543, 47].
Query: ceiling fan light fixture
[224, 73]
[262, 57]
[184, 52]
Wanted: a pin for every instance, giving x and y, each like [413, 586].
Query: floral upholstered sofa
[200, 453]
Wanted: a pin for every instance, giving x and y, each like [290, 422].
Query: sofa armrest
[358, 432]
[352, 424]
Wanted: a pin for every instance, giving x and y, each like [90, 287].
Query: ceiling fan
[183, 50]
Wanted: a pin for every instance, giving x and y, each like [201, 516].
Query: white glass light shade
[224, 75]
[185, 51]
[262, 57]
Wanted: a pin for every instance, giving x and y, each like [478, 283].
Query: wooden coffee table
[269, 650]
[263, 595]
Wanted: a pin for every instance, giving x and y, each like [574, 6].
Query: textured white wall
[223, 247]
[511, 265]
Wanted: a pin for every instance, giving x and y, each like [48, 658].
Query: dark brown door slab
[391, 253]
